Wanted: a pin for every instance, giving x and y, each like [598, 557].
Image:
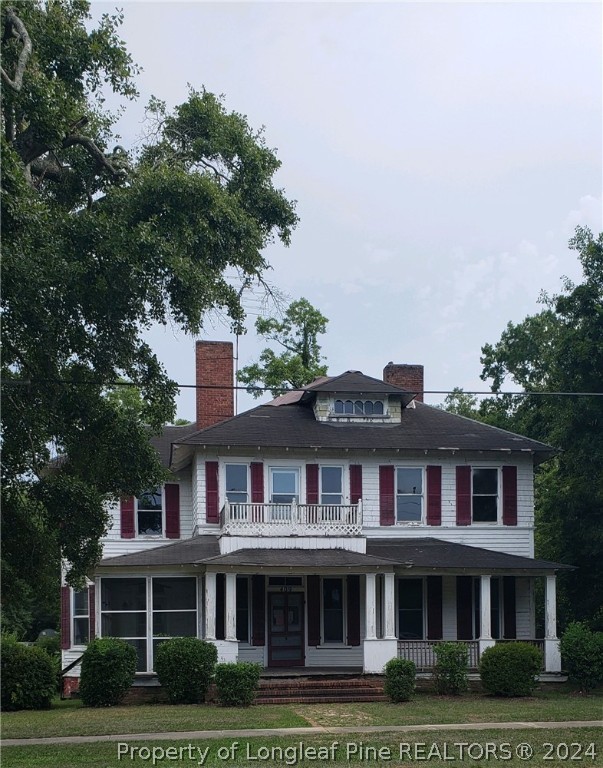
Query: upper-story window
[237, 483]
[484, 506]
[284, 485]
[409, 494]
[149, 513]
[331, 485]
[358, 407]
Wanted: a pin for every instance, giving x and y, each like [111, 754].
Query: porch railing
[423, 654]
[286, 519]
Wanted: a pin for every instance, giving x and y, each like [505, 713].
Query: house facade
[335, 527]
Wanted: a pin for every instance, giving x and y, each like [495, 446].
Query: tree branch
[15, 26]
[92, 149]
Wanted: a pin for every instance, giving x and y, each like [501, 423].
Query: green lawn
[351, 751]
[69, 718]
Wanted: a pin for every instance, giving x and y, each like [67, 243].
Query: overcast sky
[441, 155]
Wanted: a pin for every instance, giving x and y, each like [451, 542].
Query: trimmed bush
[185, 667]
[237, 683]
[108, 671]
[510, 669]
[450, 671]
[399, 679]
[28, 676]
[49, 643]
[582, 655]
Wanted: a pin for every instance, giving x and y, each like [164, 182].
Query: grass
[69, 718]
[350, 751]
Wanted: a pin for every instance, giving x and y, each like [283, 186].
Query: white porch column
[371, 608]
[485, 632]
[210, 606]
[378, 652]
[389, 608]
[230, 628]
[552, 654]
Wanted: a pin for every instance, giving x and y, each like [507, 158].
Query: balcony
[291, 519]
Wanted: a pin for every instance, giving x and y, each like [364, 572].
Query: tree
[300, 363]
[98, 244]
[560, 349]
[461, 403]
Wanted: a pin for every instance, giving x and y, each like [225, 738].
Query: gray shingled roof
[421, 428]
[163, 442]
[425, 553]
[355, 382]
[439, 554]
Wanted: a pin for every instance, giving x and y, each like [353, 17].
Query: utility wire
[285, 390]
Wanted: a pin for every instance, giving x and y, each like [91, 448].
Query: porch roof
[423, 553]
[436, 554]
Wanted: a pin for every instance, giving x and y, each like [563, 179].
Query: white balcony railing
[288, 519]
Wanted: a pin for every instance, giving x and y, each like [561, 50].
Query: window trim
[423, 580]
[150, 536]
[498, 520]
[333, 412]
[80, 616]
[344, 613]
[423, 471]
[344, 494]
[284, 468]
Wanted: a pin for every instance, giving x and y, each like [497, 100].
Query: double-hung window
[284, 490]
[149, 513]
[237, 483]
[332, 611]
[409, 495]
[410, 609]
[484, 501]
[81, 617]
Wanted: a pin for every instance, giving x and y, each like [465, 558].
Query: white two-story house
[335, 527]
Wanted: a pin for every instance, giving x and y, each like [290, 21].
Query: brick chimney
[215, 381]
[408, 377]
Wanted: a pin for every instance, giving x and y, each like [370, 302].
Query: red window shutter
[172, 511]
[463, 495]
[220, 605]
[464, 608]
[212, 514]
[311, 483]
[354, 610]
[355, 483]
[434, 495]
[434, 607]
[128, 530]
[257, 483]
[386, 495]
[92, 612]
[509, 481]
[509, 608]
[65, 618]
[313, 610]
[258, 610]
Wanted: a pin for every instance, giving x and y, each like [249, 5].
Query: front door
[286, 629]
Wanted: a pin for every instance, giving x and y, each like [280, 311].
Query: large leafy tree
[560, 349]
[98, 244]
[300, 362]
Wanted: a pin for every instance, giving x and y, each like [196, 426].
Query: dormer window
[358, 408]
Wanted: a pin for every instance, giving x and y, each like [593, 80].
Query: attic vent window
[358, 407]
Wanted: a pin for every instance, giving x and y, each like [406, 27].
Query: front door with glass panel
[285, 629]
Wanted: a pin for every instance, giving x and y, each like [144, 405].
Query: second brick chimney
[409, 377]
[215, 381]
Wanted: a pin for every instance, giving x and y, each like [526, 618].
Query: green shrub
[185, 667]
[237, 683]
[49, 643]
[510, 669]
[28, 676]
[450, 671]
[399, 679]
[582, 655]
[107, 672]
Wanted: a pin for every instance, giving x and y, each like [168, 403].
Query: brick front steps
[320, 690]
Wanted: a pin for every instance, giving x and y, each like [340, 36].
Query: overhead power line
[285, 390]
